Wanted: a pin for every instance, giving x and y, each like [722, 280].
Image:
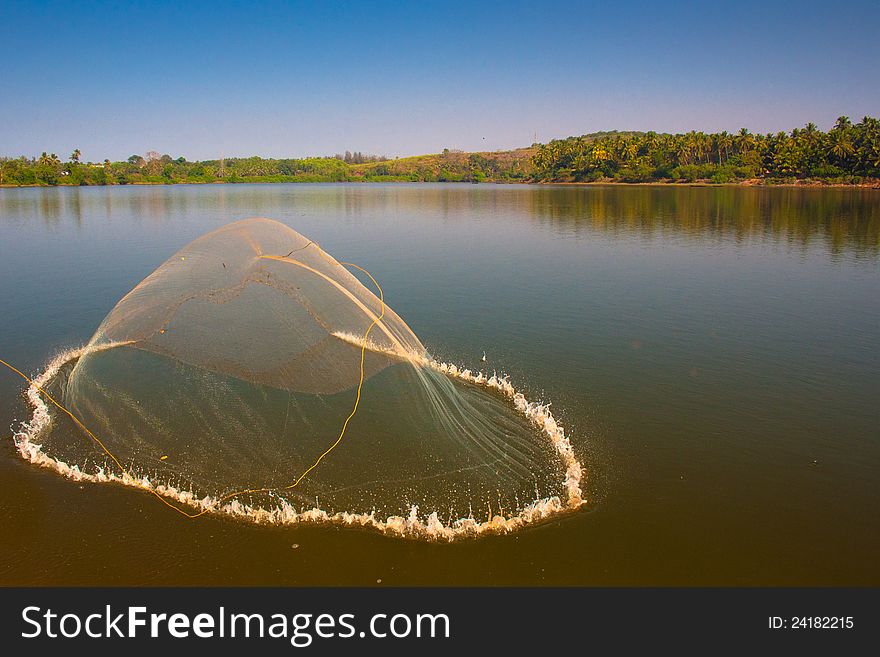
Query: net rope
[395, 344]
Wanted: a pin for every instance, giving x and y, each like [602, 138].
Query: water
[714, 354]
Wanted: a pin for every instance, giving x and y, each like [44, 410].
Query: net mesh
[224, 380]
[258, 301]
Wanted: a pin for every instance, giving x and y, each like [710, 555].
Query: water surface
[714, 354]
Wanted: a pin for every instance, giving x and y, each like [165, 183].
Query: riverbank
[757, 182]
[848, 155]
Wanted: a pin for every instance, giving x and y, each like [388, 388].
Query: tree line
[847, 153]
[153, 168]
[360, 158]
[48, 169]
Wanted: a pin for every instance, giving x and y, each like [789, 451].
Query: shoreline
[874, 184]
[812, 184]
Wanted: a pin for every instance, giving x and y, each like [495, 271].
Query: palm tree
[690, 145]
[746, 141]
[855, 149]
[841, 146]
[724, 141]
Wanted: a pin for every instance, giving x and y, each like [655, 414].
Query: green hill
[451, 166]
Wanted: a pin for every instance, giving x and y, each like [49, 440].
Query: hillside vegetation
[847, 154]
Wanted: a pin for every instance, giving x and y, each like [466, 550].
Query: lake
[713, 353]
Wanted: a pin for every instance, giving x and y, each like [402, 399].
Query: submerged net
[222, 383]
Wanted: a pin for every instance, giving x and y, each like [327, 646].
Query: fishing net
[254, 375]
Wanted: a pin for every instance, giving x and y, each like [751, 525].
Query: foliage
[359, 158]
[846, 153]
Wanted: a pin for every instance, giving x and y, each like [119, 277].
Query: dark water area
[714, 354]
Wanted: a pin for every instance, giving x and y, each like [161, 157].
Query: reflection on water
[840, 219]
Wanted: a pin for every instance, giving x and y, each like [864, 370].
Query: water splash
[416, 525]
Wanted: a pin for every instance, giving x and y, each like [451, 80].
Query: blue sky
[401, 78]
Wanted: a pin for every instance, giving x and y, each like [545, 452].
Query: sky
[296, 79]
